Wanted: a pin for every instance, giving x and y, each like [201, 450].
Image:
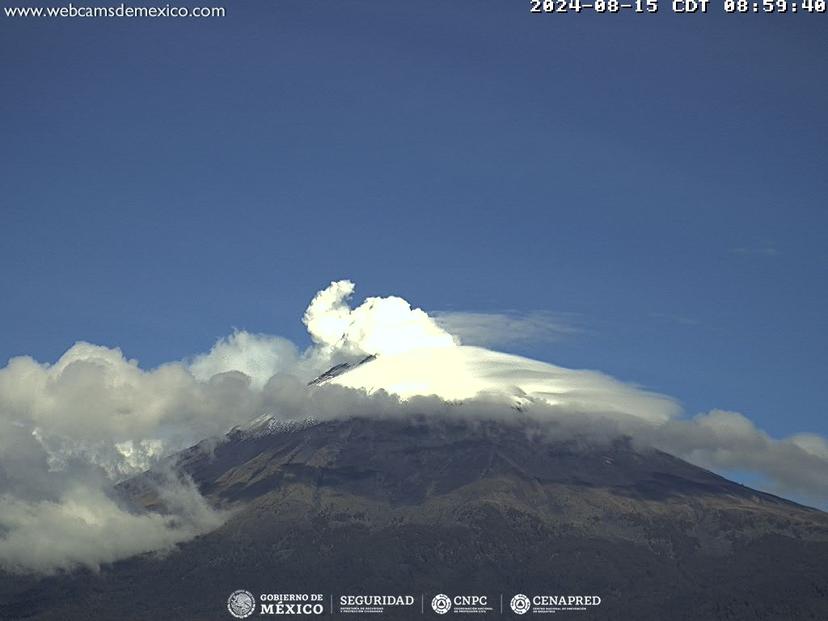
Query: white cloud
[85, 527]
[70, 430]
[722, 440]
[812, 444]
[461, 373]
[259, 356]
[766, 249]
[505, 328]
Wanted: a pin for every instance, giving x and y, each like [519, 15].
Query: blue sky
[661, 179]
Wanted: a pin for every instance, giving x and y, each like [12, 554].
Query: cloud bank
[72, 429]
[86, 527]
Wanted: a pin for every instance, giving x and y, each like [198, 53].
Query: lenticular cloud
[416, 357]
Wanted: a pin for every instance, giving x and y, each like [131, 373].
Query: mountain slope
[426, 505]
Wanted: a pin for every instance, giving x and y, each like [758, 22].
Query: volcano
[425, 505]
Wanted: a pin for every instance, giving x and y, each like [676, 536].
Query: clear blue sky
[663, 178]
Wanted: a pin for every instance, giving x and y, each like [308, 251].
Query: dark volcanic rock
[425, 506]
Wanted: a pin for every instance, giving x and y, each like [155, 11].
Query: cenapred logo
[441, 604]
[520, 604]
[241, 604]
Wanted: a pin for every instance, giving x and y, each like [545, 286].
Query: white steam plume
[379, 326]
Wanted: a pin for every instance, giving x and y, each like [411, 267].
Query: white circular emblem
[520, 604]
[241, 604]
[441, 604]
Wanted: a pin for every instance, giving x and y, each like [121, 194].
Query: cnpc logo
[442, 603]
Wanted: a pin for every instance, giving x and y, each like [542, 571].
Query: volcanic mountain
[423, 505]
